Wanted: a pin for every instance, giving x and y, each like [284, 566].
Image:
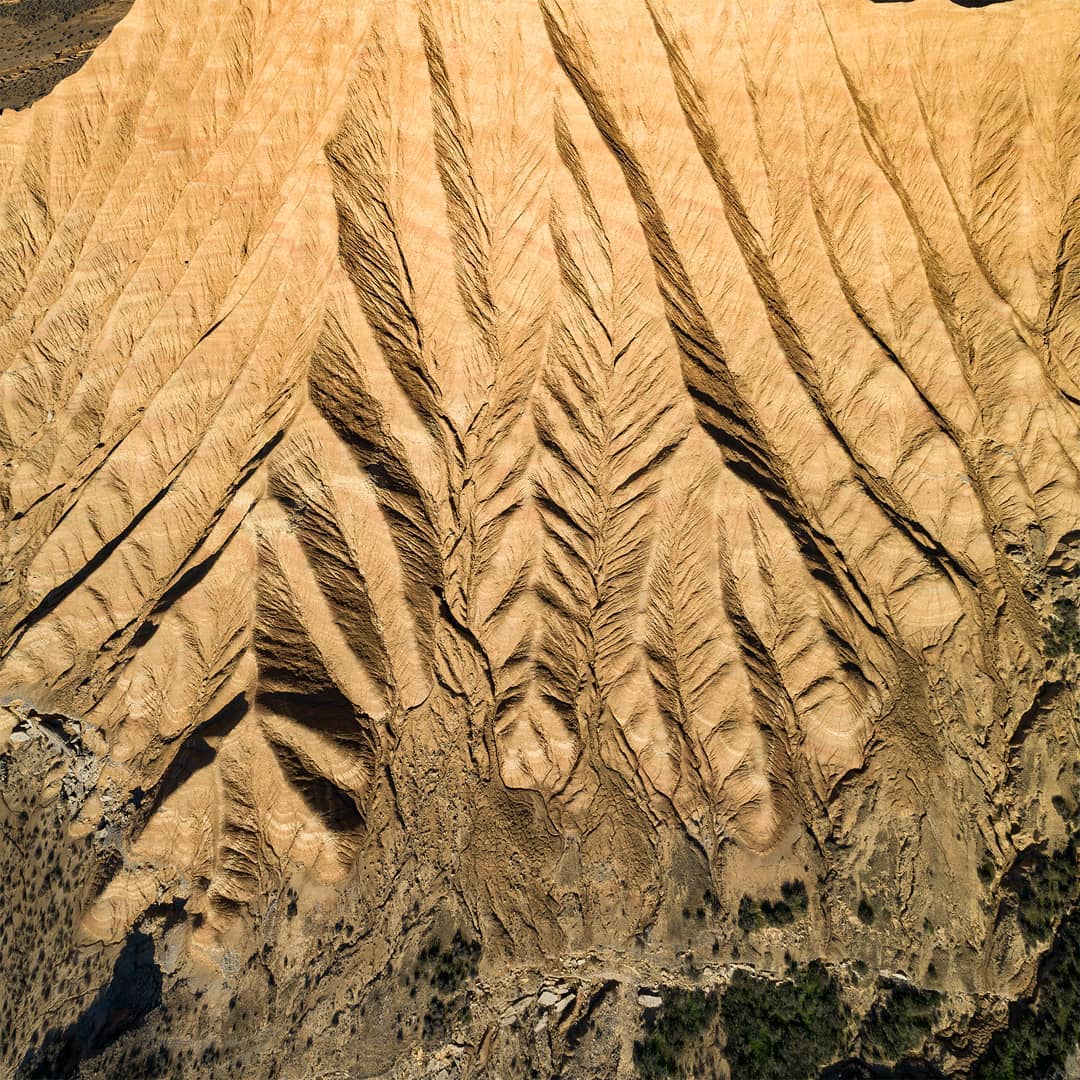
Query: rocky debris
[64, 737]
[518, 1011]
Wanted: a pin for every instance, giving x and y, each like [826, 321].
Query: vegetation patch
[899, 1021]
[1062, 636]
[449, 970]
[783, 1030]
[674, 1033]
[1044, 889]
[792, 905]
[1042, 1031]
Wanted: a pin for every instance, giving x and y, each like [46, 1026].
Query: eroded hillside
[522, 499]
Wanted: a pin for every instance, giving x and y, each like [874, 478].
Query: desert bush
[899, 1021]
[1042, 1031]
[791, 906]
[1044, 891]
[783, 1030]
[1062, 635]
[673, 1033]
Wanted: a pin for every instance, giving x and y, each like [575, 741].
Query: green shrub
[1044, 891]
[792, 904]
[450, 968]
[1042, 1033]
[674, 1033]
[794, 894]
[899, 1021]
[1062, 807]
[750, 917]
[1062, 635]
[865, 911]
[783, 1030]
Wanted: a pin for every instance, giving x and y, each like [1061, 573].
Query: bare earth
[566, 474]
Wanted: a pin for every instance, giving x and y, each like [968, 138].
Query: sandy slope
[564, 457]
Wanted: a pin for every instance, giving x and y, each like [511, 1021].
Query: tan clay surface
[555, 461]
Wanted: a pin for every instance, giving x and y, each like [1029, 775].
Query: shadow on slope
[133, 991]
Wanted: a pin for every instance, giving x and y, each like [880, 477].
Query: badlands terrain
[539, 538]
